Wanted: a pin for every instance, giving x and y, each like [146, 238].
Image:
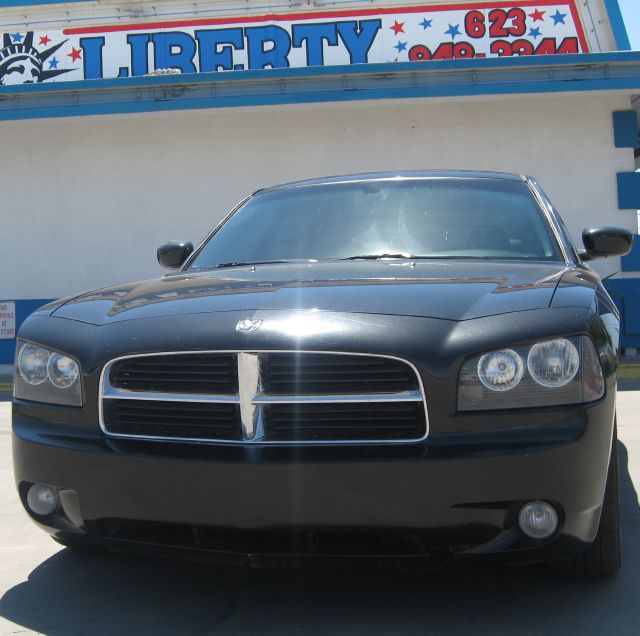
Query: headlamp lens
[63, 371]
[553, 363]
[32, 364]
[500, 370]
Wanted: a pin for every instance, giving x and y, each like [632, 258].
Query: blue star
[453, 30]
[558, 18]
[17, 37]
[425, 24]
[401, 46]
[53, 63]
[535, 33]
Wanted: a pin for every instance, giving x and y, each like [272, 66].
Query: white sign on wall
[351, 36]
[7, 319]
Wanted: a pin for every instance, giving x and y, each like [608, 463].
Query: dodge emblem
[248, 325]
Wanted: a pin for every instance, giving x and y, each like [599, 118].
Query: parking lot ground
[47, 589]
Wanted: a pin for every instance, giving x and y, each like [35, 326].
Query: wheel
[603, 557]
[78, 544]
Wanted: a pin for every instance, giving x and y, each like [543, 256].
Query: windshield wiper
[242, 264]
[373, 257]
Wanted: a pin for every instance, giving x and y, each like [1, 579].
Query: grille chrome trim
[403, 396]
[250, 397]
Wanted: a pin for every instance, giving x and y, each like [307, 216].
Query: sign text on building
[430, 32]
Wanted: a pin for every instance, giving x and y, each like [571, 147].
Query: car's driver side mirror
[605, 240]
[172, 255]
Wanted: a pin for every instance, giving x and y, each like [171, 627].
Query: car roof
[398, 175]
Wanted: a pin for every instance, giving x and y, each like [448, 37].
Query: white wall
[86, 201]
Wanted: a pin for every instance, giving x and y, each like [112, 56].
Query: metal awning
[464, 79]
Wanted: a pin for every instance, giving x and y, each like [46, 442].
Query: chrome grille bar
[251, 399]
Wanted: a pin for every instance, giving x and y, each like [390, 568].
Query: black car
[378, 369]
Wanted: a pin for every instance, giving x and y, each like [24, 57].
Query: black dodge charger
[389, 369]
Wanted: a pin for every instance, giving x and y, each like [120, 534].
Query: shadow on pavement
[106, 594]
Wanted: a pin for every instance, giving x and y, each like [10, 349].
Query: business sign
[429, 32]
[7, 320]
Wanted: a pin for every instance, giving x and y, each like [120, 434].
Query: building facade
[126, 124]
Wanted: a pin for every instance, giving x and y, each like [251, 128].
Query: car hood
[452, 290]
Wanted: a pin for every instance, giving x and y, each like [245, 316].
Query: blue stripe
[625, 129]
[31, 3]
[629, 190]
[322, 96]
[569, 73]
[631, 262]
[617, 25]
[479, 64]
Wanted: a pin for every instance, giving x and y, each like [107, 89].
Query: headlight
[32, 364]
[44, 375]
[500, 370]
[558, 371]
[553, 363]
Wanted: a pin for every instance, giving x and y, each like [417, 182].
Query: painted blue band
[33, 3]
[563, 73]
[631, 262]
[629, 190]
[625, 129]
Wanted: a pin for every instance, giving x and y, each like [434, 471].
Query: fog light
[42, 500]
[538, 519]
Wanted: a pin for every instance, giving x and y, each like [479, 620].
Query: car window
[431, 218]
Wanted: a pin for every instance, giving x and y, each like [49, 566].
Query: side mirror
[605, 240]
[173, 255]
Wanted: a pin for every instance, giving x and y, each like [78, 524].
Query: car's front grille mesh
[263, 397]
[193, 373]
[319, 374]
[320, 422]
[207, 421]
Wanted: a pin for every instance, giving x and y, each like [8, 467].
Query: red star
[75, 55]
[44, 40]
[398, 27]
[537, 15]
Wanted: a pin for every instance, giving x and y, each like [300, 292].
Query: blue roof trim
[617, 25]
[478, 64]
[33, 3]
[551, 74]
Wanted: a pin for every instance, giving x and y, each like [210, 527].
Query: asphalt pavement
[46, 589]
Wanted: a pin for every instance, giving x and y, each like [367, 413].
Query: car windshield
[417, 218]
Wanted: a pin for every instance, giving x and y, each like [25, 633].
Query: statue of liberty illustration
[22, 63]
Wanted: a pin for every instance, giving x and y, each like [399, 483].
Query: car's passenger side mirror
[605, 240]
[172, 255]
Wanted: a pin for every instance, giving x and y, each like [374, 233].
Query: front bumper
[450, 496]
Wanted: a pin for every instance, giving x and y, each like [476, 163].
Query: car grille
[263, 397]
[198, 373]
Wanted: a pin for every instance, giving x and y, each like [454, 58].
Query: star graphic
[44, 40]
[535, 33]
[401, 46]
[53, 63]
[17, 37]
[425, 24]
[75, 55]
[398, 27]
[558, 18]
[537, 15]
[453, 30]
